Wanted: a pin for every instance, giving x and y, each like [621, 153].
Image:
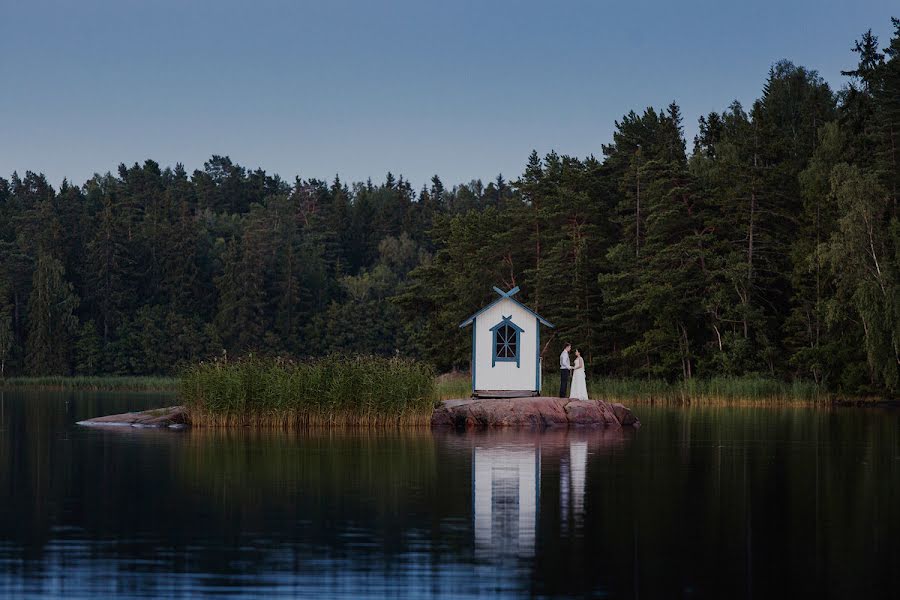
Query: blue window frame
[506, 343]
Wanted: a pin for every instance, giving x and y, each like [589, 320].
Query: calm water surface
[700, 503]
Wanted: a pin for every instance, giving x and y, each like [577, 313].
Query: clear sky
[462, 89]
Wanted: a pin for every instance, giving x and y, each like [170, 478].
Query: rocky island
[535, 413]
[470, 413]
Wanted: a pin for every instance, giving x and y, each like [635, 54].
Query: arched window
[506, 346]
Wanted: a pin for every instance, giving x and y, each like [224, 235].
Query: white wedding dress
[579, 385]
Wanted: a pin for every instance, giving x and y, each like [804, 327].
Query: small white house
[506, 347]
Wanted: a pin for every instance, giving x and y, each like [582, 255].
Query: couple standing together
[579, 385]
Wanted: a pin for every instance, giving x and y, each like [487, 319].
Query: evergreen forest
[768, 245]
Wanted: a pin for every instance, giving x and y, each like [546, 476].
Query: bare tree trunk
[894, 165]
[637, 220]
[718, 336]
[547, 345]
[686, 352]
[537, 256]
[818, 275]
[750, 234]
[17, 333]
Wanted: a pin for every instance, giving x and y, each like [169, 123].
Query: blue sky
[461, 89]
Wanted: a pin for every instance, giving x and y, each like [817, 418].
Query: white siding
[505, 375]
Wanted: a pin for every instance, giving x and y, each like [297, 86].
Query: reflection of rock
[505, 490]
[174, 417]
[535, 413]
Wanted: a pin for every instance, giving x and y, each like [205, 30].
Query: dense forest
[772, 247]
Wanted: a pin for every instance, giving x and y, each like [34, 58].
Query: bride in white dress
[579, 385]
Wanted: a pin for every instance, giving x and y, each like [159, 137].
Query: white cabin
[506, 348]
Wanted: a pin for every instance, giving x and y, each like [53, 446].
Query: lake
[699, 503]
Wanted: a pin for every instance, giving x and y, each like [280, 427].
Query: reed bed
[365, 391]
[94, 383]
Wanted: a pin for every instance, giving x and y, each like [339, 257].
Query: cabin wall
[505, 375]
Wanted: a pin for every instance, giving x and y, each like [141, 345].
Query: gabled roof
[506, 296]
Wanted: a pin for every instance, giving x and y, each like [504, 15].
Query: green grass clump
[331, 391]
[453, 385]
[93, 383]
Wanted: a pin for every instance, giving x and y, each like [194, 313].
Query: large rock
[533, 413]
[624, 415]
[174, 417]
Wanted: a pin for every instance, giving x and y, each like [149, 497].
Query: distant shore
[98, 383]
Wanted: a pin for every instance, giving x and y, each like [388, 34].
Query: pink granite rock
[624, 415]
[533, 413]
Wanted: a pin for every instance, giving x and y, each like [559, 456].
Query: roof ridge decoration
[508, 295]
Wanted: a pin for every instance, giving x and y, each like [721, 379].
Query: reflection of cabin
[506, 348]
[506, 483]
[506, 491]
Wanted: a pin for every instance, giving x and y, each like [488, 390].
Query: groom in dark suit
[565, 368]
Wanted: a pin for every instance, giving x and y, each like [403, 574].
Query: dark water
[700, 503]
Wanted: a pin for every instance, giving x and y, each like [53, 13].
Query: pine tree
[51, 320]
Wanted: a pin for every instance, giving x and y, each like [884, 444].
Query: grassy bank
[717, 390]
[94, 383]
[720, 390]
[376, 387]
[363, 391]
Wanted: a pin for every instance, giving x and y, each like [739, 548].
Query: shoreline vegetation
[228, 384]
[718, 390]
[334, 391]
[93, 383]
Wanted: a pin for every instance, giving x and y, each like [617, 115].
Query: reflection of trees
[321, 471]
[732, 500]
[43, 472]
[711, 499]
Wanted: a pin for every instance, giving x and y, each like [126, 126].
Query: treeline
[772, 247]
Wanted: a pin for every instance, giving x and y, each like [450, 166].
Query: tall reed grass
[331, 392]
[93, 383]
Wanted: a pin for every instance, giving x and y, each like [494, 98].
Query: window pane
[505, 342]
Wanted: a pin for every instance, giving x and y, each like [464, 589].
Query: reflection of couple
[579, 385]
